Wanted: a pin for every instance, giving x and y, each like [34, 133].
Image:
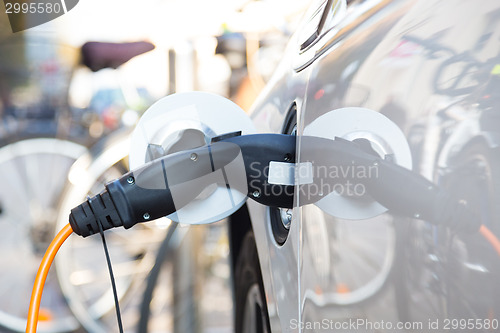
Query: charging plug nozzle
[169, 183]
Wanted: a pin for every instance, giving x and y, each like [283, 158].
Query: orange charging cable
[41, 276]
[490, 237]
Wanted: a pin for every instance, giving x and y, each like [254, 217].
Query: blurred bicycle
[41, 136]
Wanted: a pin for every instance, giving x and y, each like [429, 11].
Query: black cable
[112, 277]
[153, 278]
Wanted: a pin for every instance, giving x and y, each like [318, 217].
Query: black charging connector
[402, 191]
[148, 192]
[167, 184]
[84, 218]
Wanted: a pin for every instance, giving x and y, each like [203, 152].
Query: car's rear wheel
[251, 308]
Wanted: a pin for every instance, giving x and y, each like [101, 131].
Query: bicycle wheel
[34, 173]
[359, 256]
[80, 264]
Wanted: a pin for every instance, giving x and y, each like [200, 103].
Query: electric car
[419, 81]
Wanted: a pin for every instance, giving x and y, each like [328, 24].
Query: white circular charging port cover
[203, 116]
[386, 139]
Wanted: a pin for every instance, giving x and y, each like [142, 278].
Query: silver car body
[431, 67]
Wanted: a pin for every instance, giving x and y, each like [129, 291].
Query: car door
[392, 58]
[344, 261]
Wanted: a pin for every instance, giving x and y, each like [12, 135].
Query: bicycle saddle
[99, 55]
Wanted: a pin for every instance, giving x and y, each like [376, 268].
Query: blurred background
[67, 108]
